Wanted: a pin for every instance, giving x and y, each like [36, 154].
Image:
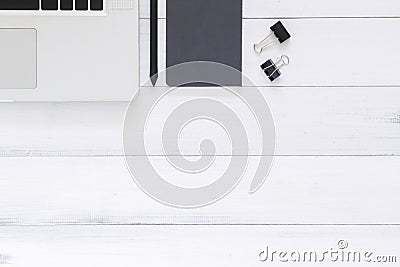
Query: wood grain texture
[299, 190]
[66, 246]
[67, 198]
[309, 121]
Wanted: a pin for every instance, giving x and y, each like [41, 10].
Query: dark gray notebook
[205, 30]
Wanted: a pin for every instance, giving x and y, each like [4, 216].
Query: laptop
[68, 50]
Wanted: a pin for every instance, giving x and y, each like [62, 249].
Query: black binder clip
[278, 33]
[272, 69]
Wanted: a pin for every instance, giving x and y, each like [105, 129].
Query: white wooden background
[67, 199]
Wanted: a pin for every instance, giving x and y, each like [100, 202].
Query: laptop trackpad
[18, 58]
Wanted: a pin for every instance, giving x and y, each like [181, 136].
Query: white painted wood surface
[299, 190]
[309, 121]
[66, 197]
[127, 246]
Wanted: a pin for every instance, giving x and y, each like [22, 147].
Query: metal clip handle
[282, 61]
[258, 48]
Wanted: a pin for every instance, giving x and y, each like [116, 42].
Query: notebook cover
[204, 30]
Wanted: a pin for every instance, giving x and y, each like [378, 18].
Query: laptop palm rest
[18, 53]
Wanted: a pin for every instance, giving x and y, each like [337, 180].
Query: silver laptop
[68, 50]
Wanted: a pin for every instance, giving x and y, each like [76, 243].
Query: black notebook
[204, 30]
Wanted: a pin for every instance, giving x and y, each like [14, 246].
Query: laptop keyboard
[63, 5]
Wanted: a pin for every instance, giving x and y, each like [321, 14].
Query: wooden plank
[61, 129]
[299, 190]
[188, 245]
[308, 121]
[323, 52]
[303, 8]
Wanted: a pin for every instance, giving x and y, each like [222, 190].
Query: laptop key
[81, 5]
[49, 5]
[96, 5]
[19, 4]
[66, 4]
